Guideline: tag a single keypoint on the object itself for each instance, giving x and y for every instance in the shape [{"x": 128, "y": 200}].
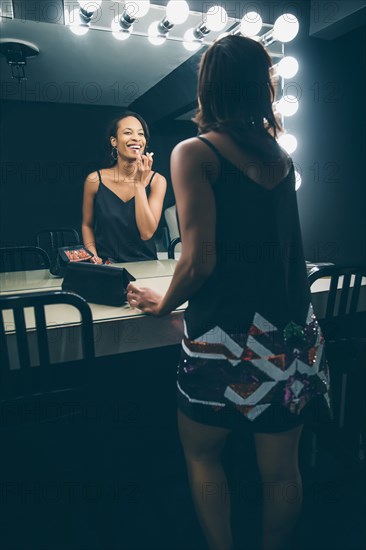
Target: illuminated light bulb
[
  {"x": 287, "y": 67},
  {"x": 285, "y": 28},
  {"x": 288, "y": 142},
  {"x": 137, "y": 8},
  {"x": 90, "y": 6},
  {"x": 251, "y": 24},
  {"x": 177, "y": 11},
  {"x": 117, "y": 31},
  {"x": 216, "y": 18},
  {"x": 76, "y": 23},
  {"x": 154, "y": 36},
  {"x": 298, "y": 180},
  {"x": 190, "y": 42},
  {"x": 287, "y": 105}
]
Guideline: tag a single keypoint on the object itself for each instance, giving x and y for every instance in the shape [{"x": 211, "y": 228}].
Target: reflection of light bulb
[
  {"x": 137, "y": 8},
  {"x": 190, "y": 42},
  {"x": 285, "y": 28},
  {"x": 251, "y": 24},
  {"x": 90, "y": 6},
  {"x": 287, "y": 67},
  {"x": 298, "y": 180},
  {"x": 154, "y": 36},
  {"x": 216, "y": 18},
  {"x": 76, "y": 24},
  {"x": 117, "y": 31},
  {"x": 287, "y": 105},
  {"x": 177, "y": 11},
  {"x": 288, "y": 142}
]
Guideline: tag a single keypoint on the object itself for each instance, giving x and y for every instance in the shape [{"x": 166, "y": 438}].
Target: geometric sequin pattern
[{"x": 251, "y": 371}]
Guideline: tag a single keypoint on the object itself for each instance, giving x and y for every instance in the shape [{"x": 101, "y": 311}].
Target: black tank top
[
  {"x": 260, "y": 264},
  {"x": 116, "y": 234}
]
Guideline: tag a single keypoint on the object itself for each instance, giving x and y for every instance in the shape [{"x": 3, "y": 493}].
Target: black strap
[
  {"x": 211, "y": 146},
  {"x": 152, "y": 175},
  {"x": 99, "y": 176}
]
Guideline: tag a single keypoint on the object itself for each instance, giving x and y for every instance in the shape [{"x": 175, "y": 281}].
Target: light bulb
[
  {"x": 298, "y": 180},
  {"x": 216, "y": 18},
  {"x": 287, "y": 105},
  {"x": 285, "y": 28},
  {"x": 154, "y": 36},
  {"x": 90, "y": 6},
  {"x": 190, "y": 42},
  {"x": 287, "y": 67},
  {"x": 251, "y": 24},
  {"x": 288, "y": 142},
  {"x": 117, "y": 31},
  {"x": 177, "y": 11},
  {"x": 137, "y": 8},
  {"x": 76, "y": 24}
]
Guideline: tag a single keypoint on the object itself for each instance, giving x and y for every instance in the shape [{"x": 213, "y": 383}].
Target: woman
[
  {"x": 122, "y": 204},
  {"x": 251, "y": 353}
]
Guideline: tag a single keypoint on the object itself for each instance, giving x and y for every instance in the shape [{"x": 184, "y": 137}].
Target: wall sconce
[
  {"x": 133, "y": 10},
  {"x": 214, "y": 20}
]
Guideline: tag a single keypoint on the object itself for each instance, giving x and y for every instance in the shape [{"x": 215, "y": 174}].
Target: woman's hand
[
  {"x": 96, "y": 260},
  {"x": 145, "y": 299},
  {"x": 143, "y": 168}
]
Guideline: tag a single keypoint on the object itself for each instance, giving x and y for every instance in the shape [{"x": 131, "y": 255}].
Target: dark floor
[{"x": 119, "y": 481}]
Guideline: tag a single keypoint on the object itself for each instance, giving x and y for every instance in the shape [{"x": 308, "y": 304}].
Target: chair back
[
  {"x": 28, "y": 380},
  {"x": 50, "y": 239},
  {"x": 23, "y": 258},
  {"x": 343, "y": 298}
]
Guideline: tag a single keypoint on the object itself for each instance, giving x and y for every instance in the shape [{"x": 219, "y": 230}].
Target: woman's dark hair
[
  {"x": 113, "y": 128},
  {"x": 235, "y": 90}
]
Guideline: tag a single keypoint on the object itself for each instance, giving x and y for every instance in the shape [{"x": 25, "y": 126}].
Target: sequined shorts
[{"x": 269, "y": 379}]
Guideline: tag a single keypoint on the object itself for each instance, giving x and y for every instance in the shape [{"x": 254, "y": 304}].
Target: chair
[
  {"x": 171, "y": 219},
  {"x": 344, "y": 329},
  {"x": 172, "y": 246},
  {"x": 50, "y": 239},
  {"x": 47, "y": 442},
  {"x": 23, "y": 258},
  {"x": 29, "y": 381}
]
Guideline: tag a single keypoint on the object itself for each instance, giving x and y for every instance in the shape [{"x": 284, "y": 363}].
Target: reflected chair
[
  {"x": 23, "y": 258},
  {"x": 344, "y": 329},
  {"x": 171, "y": 219},
  {"x": 50, "y": 239}
]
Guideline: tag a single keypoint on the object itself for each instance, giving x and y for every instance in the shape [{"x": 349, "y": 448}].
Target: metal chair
[
  {"x": 34, "y": 382},
  {"x": 50, "y": 239},
  {"x": 47, "y": 438},
  {"x": 172, "y": 246},
  {"x": 344, "y": 329},
  {"x": 23, "y": 258}
]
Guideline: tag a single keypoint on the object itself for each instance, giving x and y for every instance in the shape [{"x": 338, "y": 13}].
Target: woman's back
[{"x": 260, "y": 267}]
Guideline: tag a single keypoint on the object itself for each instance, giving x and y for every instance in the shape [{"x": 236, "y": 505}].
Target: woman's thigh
[{"x": 199, "y": 440}]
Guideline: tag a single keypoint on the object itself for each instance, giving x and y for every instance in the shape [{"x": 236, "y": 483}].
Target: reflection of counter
[{"x": 116, "y": 329}]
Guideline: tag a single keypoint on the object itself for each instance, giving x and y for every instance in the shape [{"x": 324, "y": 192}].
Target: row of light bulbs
[
  {"x": 284, "y": 30},
  {"x": 177, "y": 11}
]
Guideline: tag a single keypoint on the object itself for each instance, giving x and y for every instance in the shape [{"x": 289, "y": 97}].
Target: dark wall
[
  {"x": 47, "y": 151},
  {"x": 330, "y": 127}
]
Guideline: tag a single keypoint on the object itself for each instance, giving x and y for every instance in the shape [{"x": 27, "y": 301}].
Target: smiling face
[{"x": 130, "y": 139}]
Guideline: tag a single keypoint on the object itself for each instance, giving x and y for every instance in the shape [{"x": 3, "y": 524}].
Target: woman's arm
[
  {"x": 193, "y": 172},
  {"x": 90, "y": 189},
  {"x": 148, "y": 210}
]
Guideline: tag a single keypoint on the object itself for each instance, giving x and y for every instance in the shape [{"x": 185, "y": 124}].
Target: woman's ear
[{"x": 113, "y": 141}]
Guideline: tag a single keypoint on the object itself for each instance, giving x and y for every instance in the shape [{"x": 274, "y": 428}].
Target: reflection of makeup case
[
  {"x": 99, "y": 284},
  {"x": 69, "y": 254}
]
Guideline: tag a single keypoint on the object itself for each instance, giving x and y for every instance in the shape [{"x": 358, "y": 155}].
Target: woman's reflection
[{"x": 122, "y": 204}]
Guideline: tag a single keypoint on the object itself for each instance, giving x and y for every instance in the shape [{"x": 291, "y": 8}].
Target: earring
[{"x": 114, "y": 153}]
